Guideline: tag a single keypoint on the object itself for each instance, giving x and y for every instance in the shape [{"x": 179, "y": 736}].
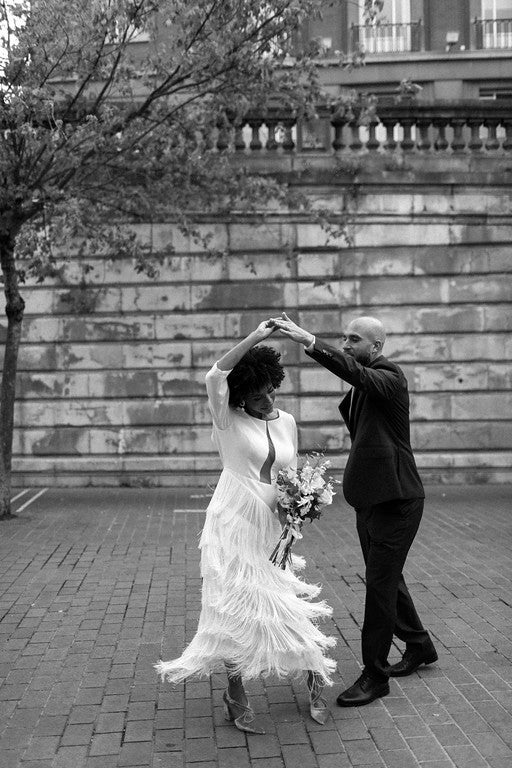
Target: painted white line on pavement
[
  {"x": 20, "y": 494},
  {"x": 37, "y": 495}
]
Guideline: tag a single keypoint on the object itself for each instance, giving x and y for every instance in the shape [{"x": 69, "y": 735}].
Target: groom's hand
[{"x": 292, "y": 331}]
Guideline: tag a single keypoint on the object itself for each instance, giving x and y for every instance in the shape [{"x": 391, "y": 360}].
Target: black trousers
[{"x": 386, "y": 532}]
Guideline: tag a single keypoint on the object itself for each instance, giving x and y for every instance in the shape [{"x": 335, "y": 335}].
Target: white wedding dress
[{"x": 255, "y": 616}]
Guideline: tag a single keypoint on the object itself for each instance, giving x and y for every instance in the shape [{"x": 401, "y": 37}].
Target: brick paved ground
[{"x": 97, "y": 584}]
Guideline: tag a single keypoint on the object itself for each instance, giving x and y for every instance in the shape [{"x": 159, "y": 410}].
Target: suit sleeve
[{"x": 383, "y": 382}]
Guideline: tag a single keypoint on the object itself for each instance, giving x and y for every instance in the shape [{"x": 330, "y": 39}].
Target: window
[
  {"x": 391, "y": 31},
  {"x": 497, "y": 23}
]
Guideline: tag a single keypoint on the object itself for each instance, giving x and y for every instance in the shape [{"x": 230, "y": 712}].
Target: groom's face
[{"x": 358, "y": 344}]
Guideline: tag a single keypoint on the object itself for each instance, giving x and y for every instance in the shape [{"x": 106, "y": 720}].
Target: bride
[{"x": 256, "y": 619}]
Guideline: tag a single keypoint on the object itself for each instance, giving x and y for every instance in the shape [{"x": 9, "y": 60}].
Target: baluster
[
  {"x": 223, "y": 134},
  {"x": 492, "y": 143},
  {"x": 239, "y": 136},
  {"x": 441, "y": 143},
  {"x": 338, "y": 144},
  {"x": 458, "y": 141},
  {"x": 507, "y": 142},
  {"x": 255, "y": 125},
  {"x": 288, "y": 142},
  {"x": 271, "y": 141},
  {"x": 475, "y": 142},
  {"x": 390, "y": 143},
  {"x": 372, "y": 144},
  {"x": 356, "y": 143},
  {"x": 407, "y": 143},
  {"x": 424, "y": 143}
]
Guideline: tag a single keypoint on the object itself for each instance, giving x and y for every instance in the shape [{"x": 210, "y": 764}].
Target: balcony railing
[
  {"x": 464, "y": 128},
  {"x": 492, "y": 33},
  {"x": 388, "y": 38}
]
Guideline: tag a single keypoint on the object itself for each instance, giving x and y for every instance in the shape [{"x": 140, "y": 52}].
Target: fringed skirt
[{"x": 255, "y": 617}]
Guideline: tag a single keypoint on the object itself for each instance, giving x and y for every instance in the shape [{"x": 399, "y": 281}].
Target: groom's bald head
[{"x": 364, "y": 338}]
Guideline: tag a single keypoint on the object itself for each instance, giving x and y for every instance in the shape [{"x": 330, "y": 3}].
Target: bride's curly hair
[{"x": 257, "y": 369}]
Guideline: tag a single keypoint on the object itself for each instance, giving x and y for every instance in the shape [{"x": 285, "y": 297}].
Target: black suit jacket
[{"x": 381, "y": 465}]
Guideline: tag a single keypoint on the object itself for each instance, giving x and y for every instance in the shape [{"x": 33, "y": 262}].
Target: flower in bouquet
[{"x": 301, "y": 495}]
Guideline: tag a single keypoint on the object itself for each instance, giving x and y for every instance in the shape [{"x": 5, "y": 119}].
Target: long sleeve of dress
[{"x": 218, "y": 396}]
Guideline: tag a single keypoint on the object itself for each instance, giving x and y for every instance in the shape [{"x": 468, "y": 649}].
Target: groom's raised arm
[{"x": 382, "y": 382}]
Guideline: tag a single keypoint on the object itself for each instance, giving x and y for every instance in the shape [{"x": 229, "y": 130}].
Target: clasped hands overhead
[{"x": 290, "y": 329}]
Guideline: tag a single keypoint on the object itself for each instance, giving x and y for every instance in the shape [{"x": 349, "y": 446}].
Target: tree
[{"x": 87, "y": 110}]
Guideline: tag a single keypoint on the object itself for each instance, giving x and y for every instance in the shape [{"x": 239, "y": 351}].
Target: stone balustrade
[{"x": 476, "y": 128}]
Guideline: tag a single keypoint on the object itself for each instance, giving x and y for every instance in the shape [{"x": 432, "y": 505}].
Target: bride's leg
[
  {"x": 236, "y": 705},
  {"x": 236, "y": 689},
  {"x": 317, "y": 705}
]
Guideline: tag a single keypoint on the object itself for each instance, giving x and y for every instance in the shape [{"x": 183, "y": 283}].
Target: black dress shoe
[
  {"x": 410, "y": 662},
  {"x": 364, "y": 690}
]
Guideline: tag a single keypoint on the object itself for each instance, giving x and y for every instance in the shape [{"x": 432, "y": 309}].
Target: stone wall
[{"x": 111, "y": 377}]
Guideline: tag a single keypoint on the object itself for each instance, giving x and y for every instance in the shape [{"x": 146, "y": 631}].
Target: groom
[{"x": 382, "y": 483}]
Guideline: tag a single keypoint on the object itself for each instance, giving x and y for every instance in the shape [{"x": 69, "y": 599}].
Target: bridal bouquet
[{"x": 301, "y": 495}]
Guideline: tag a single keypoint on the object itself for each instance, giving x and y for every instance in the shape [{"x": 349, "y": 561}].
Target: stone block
[
  {"x": 276, "y": 265},
  {"x": 398, "y": 203},
  {"x": 86, "y": 301},
  {"x": 37, "y": 330},
  {"x": 318, "y": 266},
  {"x": 271, "y": 236},
  {"x": 321, "y": 321},
  {"x": 497, "y": 317},
  {"x": 167, "y": 238},
  {"x": 335, "y": 293},
  {"x": 59, "y": 441},
  {"x": 481, "y": 405},
  {"x": 315, "y": 236},
  {"x": 110, "y": 328},
  {"x": 499, "y": 376},
  {"x": 446, "y": 319},
  {"x": 410, "y": 233},
  {"x": 431, "y": 407},
  {"x": 230, "y": 296},
  {"x": 400, "y": 290},
  {"x": 433, "y": 201},
  {"x": 461, "y": 435},
  {"x": 155, "y": 298},
  {"x": 479, "y": 347},
  {"x": 186, "y": 440},
  {"x": 449, "y": 377},
  {"x": 73, "y": 413},
  {"x": 121, "y": 384},
  {"x": 171, "y": 269},
  {"x": 450, "y": 259},
  {"x": 123, "y": 440},
  {"x": 158, "y": 412},
  {"x": 480, "y": 290},
  {"x": 318, "y": 379},
  {"x": 53, "y": 385},
  {"x": 159, "y": 354},
  {"x": 376, "y": 261},
  {"x": 174, "y": 326},
  {"x": 88, "y": 356},
  {"x": 412, "y": 348},
  {"x": 184, "y": 382},
  {"x": 318, "y": 409},
  {"x": 324, "y": 437},
  {"x": 480, "y": 233},
  {"x": 499, "y": 258},
  {"x": 41, "y": 358},
  {"x": 38, "y": 301}
]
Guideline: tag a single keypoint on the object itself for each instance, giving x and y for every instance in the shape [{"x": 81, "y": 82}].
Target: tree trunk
[{"x": 14, "y": 309}]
